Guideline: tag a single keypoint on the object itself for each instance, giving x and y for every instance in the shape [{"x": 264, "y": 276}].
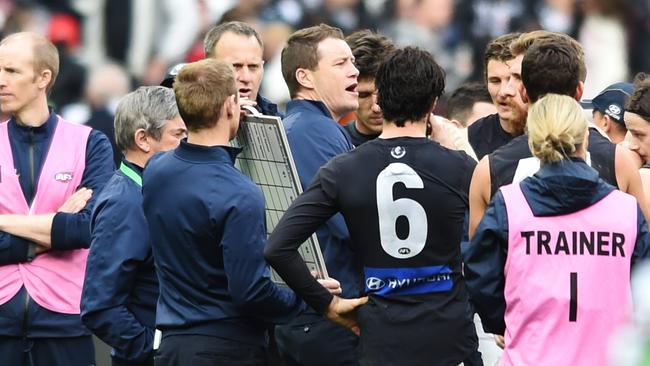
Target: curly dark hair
[
  {"x": 408, "y": 84},
  {"x": 370, "y": 49}
]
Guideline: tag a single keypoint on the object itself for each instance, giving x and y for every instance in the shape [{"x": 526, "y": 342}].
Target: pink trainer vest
[
  {"x": 54, "y": 279},
  {"x": 567, "y": 284}
]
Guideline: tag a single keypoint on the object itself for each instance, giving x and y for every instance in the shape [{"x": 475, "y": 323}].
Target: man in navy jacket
[
  {"x": 208, "y": 231},
  {"x": 318, "y": 67},
  {"x": 120, "y": 291},
  {"x": 239, "y": 44}
]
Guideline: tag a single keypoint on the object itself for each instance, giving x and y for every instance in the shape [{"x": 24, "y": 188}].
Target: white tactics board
[{"x": 266, "y": 159}]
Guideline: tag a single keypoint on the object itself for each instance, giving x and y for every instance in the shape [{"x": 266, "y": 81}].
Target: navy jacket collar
[
  {"x": 267, "y": 107},
  {"x": 306, "y": 105},
  {"x": 40, "y": 133},
  {"x": 564, "y": 187},
  {"x": 206, "y": 154}
]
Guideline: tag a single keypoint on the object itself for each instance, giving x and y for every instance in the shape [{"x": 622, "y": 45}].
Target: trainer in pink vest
[
  {"x": 567, "y": 284},
  {"x": 54, "y": 279}
]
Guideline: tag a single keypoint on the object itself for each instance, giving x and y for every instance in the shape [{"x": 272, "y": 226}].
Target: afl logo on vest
[{"x": 63, "y": 177}]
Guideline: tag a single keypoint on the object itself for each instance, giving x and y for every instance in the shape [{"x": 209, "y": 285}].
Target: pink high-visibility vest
[
  {"x": 567, "y": 286},
  {"x": 54, "y": 279}
]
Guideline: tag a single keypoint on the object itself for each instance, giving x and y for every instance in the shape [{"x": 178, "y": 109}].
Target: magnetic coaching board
[{"x": 266, "y": 159}]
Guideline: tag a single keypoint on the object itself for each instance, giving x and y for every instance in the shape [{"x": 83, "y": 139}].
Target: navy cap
[
  {"x": 611, "y": 101},
  {"x": 168, "y": 81}
]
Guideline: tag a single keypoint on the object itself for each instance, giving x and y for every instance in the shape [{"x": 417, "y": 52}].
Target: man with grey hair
[
  {"x": 240, "y": 45},
  {"x": 118, "y": 302}
]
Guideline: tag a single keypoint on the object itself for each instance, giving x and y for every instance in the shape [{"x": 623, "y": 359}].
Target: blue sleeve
[
  {"x": 119, "y": 244},
  {"x": 642, "y": 247},
  {"x": 312, "y": 147},
  {"x": 72, "y": 231},
  {"x": 485, "y": 258},
  {"x": 249, "y": 276},
  {"x": 13, "y": 249}
]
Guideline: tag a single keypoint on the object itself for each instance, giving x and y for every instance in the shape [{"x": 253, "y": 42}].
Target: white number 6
[{"x": 390, "y": 210}]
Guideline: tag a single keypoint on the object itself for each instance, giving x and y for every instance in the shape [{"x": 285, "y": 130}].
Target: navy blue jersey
[
  {"x": 505, "y": 161},
  {"x": 404, "y": 202},
  {"x": 486, "y": 135}
]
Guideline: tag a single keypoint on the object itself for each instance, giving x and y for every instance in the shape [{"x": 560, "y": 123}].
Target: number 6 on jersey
[{"x": 390, "y": 210}]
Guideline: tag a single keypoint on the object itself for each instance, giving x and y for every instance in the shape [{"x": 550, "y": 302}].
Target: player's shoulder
[
  {"x": 517, "y": 146},
  {"x": 483, "y": 124}
]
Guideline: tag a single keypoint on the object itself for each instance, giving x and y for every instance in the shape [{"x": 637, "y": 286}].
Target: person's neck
[
  {"x": 362, "y": 129},
  {"x": 617, "y": 137},
  {"x": 35, "y": 116},
  {"x": 216, "y": 135},
  {"x": 410, "y": 129},
  {"x": 510, "y": 127},
  {"x": 138, "y": 158},
  {"x": 312, "y": 95}
]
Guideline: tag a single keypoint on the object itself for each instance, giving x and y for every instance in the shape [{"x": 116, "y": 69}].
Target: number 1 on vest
[{"x": 573, "y": 303}]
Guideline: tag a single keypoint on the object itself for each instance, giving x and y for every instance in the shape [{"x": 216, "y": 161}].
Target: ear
[
  {"x": 579, "y": 90},
  {"x": 456, "y": 123},
  {"x": 606, "y": 123},
  {"x": 305, "y": 78},
  {"x": 44, "y": 78},
  {"x": 524, "y": 95},
  {"x": 142, "y": 140},
  {"x": 230, "y": 107}
]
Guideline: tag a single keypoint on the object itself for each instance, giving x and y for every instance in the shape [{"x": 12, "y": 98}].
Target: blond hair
[
  {"x": 556, "y": 127},
  {"x": 201, "y": 89}
]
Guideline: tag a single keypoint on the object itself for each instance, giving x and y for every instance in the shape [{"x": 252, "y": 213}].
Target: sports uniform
[
  {"x": 357, "y": 137},
  {"x": 486, "y": 135},
  {"x": 514, "y": 161},
  {"x": 403, "y": 200}
]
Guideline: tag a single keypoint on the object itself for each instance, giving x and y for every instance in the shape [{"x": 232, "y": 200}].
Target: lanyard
[{"x": 131, "y": 174}]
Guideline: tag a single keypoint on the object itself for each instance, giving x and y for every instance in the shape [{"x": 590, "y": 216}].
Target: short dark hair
[
  {"x": 408, "y": 83},
  {"x": 370, "y": 49},
  {"x": 639, "y": 103},
  {"x": 214, "y": 35},
  {"x": 462, "y": 100},
  {"x": 526, "y": 40},
  {"x": 301, "y": 52},
  {"x": 550, "y": 66},
  {"x": 499, "y": 49},
  {"x": 201, "y": 89}
]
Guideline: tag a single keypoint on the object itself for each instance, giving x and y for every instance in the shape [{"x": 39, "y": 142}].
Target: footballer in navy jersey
[{"x": 404, "y": 198}]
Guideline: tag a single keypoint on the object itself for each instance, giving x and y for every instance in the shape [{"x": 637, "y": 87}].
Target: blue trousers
[
  {"x": 199, "y": 350},
  {"x": 311, "y": 341},
  {"x": 74, "y": 351}
]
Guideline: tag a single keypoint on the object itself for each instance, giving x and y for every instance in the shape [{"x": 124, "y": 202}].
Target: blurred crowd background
[{"x": 109, "y": 47}]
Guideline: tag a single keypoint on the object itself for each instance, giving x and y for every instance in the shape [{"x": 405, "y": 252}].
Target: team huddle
[{"x": 504, "y": 236}]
